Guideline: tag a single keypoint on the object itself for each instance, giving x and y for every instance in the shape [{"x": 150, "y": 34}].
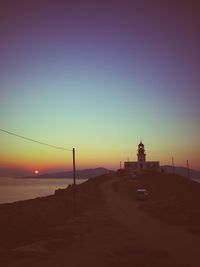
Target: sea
[{"x": 15, "y": 189}]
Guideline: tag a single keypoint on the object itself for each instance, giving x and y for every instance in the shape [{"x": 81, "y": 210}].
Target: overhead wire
[{"x": 35, "y": 141}]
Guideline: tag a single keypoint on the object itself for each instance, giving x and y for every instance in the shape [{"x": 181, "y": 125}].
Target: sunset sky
[{"x": 99, "y": 76}]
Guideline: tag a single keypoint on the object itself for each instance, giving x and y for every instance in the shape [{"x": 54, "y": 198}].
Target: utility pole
[
  {"x": 74, "y": 167},
  {"x": 74, "y": 181},
  {"x": 188, "y": 169}
]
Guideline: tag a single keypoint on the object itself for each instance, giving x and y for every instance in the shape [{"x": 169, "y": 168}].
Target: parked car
[{"x": 142, "y": 194}]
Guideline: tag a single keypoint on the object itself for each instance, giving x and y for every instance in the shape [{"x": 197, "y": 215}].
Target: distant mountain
[
  {"x": 80, "y": 174},
  {"x": 13, "y": 171},
  {"x": 194, "y": 175}
]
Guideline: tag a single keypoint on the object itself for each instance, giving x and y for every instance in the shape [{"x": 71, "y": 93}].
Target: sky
[{"x": 99, "y": 76}]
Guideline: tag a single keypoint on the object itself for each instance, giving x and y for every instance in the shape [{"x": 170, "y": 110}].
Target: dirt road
[
  {"x": 114, "y": 233},
  {"x": 179, "y": 247}
]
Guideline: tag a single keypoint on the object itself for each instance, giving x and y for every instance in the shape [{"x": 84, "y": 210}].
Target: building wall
[
  {"x": 141, "y": 163},
  {"x": 130, "y": 165},
  {"x": 148, "y": 165},
  {"x": 152, "y": 165}
]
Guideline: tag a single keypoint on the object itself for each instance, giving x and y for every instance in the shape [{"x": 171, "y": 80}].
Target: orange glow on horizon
[{"x": 30, "y": 157}]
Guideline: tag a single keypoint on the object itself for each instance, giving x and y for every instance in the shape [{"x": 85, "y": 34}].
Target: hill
[
  {"x": 7, "y": 171},
  {"x": 194, "y": 175},
  {"x": 108, "y": 224},
  {"x": 80, "y": 174}
]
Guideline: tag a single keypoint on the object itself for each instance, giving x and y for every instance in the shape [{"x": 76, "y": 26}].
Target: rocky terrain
[{"x": 106, "y": 226}]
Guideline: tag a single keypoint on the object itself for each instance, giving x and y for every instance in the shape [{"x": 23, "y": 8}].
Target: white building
[{"x": 141, "y": 163}]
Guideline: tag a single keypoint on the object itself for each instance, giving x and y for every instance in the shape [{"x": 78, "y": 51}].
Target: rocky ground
[{"x": 108, "y": 226}]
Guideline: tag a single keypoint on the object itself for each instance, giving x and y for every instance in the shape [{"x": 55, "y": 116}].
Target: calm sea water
[{"x": 14, "y": 189}]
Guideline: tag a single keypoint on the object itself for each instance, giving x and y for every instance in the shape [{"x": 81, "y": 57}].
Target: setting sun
[{"x": 36, "y": 172}]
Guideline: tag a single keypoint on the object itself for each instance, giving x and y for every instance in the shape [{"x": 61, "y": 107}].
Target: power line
[{"x": 35, "y": 141}]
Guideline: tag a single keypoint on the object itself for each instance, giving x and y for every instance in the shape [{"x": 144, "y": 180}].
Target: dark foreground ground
[{"x": 110, "y": 228}]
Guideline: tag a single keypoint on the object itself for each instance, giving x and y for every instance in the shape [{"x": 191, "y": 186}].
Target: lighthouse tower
[
  {"x": 141, "y": 164},
  {"x": 141, "y": 156}
]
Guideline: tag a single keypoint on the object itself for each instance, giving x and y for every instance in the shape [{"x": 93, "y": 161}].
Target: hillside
[
  {"x": 107, "y": 226},
  {"x": 80, "y": 174},
  {"x": 182, "y": 171},
  {"x": 173, "y": 199}
]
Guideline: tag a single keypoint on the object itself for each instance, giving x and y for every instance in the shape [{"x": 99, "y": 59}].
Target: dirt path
[
  {"x": 114, "y": 233},
  {"x": 183, "y": 249}
]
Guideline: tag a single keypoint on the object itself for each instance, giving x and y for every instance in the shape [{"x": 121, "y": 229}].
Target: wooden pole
[
  {"x": 74, "y": 181},
  {"x": 74, "y": 167}
]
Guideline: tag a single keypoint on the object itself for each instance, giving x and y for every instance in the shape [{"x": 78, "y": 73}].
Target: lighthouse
[
  {"x": 141, "y": 163},
  {"x": 141, "y": 155}
]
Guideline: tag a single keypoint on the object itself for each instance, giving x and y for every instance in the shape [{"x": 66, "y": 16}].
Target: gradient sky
[{"x": 99, "y": 76}]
